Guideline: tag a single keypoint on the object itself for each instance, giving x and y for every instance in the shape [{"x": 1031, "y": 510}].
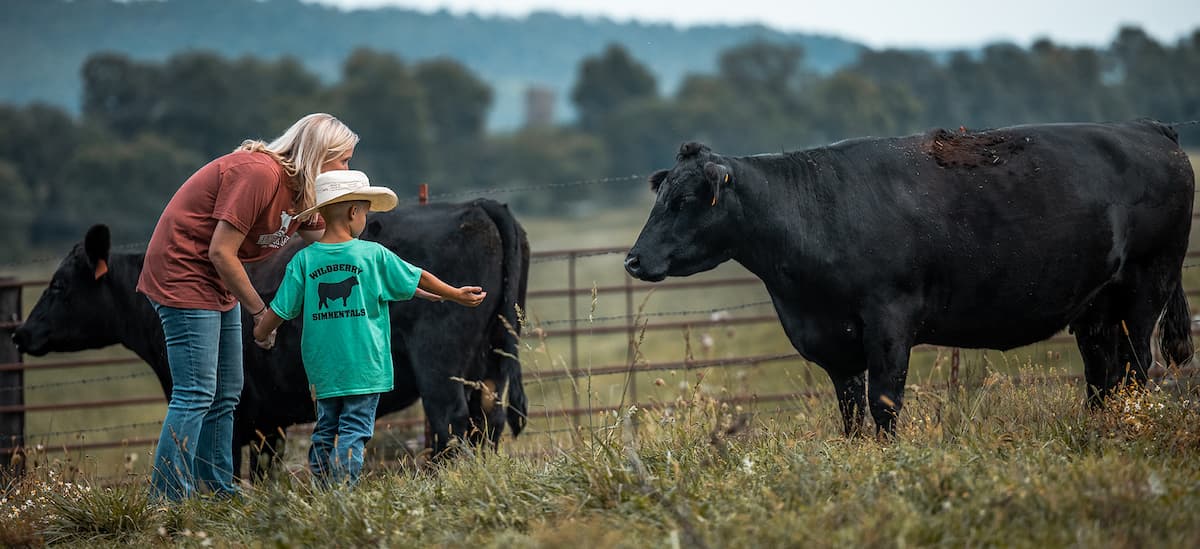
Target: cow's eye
[{"x": 680, "y": 201}]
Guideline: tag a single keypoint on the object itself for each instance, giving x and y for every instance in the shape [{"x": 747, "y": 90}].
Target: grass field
[
  {"x": 1000, "y": 465},
  {"x": 996, "y": 465}
]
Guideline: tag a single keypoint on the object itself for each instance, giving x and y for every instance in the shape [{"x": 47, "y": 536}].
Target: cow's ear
[
  {"x": 657, "y": 178},
  {"x": 96, "y": 245},
  {"x": 718, "y": 175}
]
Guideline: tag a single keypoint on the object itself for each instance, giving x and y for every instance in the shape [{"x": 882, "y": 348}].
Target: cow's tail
[
  {"x": 506, "y": 335},
  {"x": 1175, "y": 329}
]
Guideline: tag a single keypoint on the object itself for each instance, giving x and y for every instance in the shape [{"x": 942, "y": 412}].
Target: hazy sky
[{"x": 875, "y": 23}]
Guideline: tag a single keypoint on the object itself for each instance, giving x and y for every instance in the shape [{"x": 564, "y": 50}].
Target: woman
[{"x": 237, "y": 208}]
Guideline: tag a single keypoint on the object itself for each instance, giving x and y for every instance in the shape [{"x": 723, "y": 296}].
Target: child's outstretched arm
[
  {"x": 467, "y": 296},
  {"x": 428, "y": 296},
  {"x": 264, "y": 328}
]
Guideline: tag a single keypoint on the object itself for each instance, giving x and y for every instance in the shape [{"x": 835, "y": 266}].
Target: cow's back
[{"x": 1005, "y": 235}]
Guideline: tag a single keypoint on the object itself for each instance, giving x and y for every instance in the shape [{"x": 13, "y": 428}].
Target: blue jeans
[
  {"x": 344, "y": 425},
  {"x": 195, "y": 448}
]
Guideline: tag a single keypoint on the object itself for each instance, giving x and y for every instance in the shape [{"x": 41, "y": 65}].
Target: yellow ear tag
[{"x": 727, "y": 178}]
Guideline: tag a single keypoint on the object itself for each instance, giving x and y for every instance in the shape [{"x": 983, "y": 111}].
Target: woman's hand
[
  {"x": 268, "y": 343},
  {"x": 265, "y": 324}
]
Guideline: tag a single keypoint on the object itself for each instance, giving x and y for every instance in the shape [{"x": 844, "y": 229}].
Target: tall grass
[{"x": 999, "y": 464}]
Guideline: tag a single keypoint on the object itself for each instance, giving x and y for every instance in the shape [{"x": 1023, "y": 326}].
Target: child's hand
[
  {"x": 266, "y": 343},
  {"x": 468, "y": 296}
]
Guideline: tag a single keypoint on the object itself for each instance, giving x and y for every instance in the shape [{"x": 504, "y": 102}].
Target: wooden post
[
  {"x": 423, "y": 194},
  {"x": 954, "y": 367},
  {"x": 573, "y": 367},
  {"x": 12, "y": 383},
  {"x": 631, "y": 349}
]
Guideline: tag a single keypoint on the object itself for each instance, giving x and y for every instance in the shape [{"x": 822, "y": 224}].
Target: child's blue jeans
[{"x": 344, "y": 425}]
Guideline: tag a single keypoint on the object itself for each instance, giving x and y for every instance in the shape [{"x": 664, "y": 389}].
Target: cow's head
[
  {"x": 690, "y": 228},
  {"x": 76, "y": 310}
]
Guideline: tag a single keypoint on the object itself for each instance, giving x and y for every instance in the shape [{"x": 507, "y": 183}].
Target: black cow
[
  {"x": 327, "y": 291},
  {"x": 478, "y": 243},
  {"x": 991, "y": 239}
]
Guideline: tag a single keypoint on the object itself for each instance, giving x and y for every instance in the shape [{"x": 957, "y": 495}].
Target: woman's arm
[
  {"x": 222, "y": 252},
  {"x": 308, "y": 231},
  {"x": 311, "y": 236}
]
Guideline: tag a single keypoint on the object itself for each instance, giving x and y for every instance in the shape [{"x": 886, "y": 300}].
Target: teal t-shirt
[{"x": 342, "y": 290}]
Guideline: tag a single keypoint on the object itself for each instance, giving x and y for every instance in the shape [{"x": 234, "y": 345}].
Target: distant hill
[{"x": 44, "y": 42}]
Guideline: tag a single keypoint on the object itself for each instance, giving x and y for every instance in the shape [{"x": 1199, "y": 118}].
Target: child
[{"x": 342, "y": 286}]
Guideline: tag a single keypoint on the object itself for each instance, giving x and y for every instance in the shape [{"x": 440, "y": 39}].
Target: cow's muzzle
[
  {"x": 23, "y": 339},
  {"x": 633, "y": 266}
]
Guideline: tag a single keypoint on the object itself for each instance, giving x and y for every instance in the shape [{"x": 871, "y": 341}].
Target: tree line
[{"x": 145, "y": 126}]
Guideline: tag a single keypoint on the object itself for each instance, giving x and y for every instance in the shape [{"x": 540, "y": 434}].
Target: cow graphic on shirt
[
  {"x": 335, "y": 290},
  {"x": 280, "y": 237}
]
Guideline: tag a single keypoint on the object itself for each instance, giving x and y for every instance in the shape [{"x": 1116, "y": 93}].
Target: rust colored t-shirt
[{"x": 247, "y": 189}]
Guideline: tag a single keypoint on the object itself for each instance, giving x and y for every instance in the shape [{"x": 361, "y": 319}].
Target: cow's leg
[
  {"x": 487, "y": 414},
  {"x": 253, "y": 453},
  {"x": 445, "y": 409},
  {"x": 243, "y": 436},
  {"x": 237, "y": 461},
  {"x": 886, "y": 342},
  {"x": 1096, "y": 336},
  {"x": 851, "y": 392},
  {"x": 1144, "y": 294},
  {"x": 266, "y": 455}
]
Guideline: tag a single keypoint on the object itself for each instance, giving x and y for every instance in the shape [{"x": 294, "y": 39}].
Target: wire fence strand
[
  {"x": 692, "y": 312},
  {"x": 530, "y": 188},
  {"x": 88, "y": 381},
  {"x": 105, "y": 429}
]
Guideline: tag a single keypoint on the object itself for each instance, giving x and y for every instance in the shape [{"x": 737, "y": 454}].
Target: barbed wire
[
  {"x": 576, "y": 255},
  {"x": 47, "y": 434},
  {"x": 528, "y": 188},
  {"x": 31, "y": 261},
  {"x": 713, "y": 311},
  {"x": 87, "y": 381},
  {"x": 638, "y": 368}
]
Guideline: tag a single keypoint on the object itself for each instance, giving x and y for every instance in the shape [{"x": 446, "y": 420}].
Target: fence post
[
  {"x": 630, "y": 350},
  {"x": 573, "y": 367},
  {"x": 423, "y": 194},
  {"x": 954, "y": 367},
  {"x": 12, "y": 383}
]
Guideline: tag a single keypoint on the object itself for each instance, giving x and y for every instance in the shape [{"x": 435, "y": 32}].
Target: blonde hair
[{"x": 302, "y": 150}]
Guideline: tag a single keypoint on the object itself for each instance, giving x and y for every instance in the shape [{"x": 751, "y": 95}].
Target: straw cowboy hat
[{"x": 347, "y": 185}]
